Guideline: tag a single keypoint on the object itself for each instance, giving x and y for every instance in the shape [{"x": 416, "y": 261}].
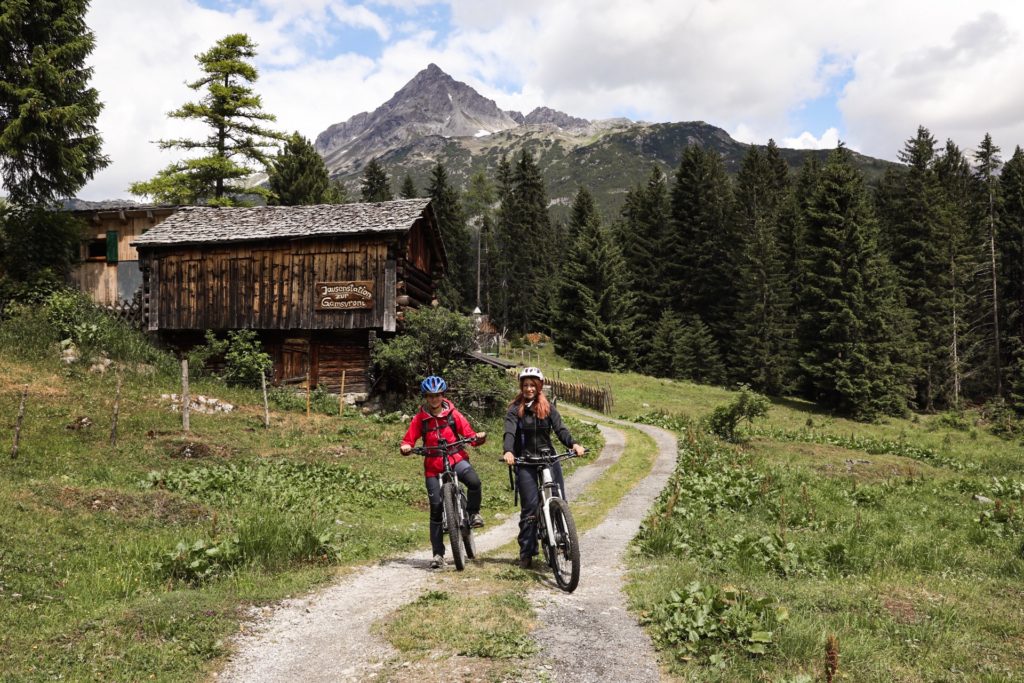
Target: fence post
[
  {"x": 17, "y": 426},
  {"x": 186, "y": 399},
  {"x": 341, "y": 395},
  {"x": 117, "y": 411},
  {"x": 266, "y": 404},
  {"x": 309, "y": 392}
]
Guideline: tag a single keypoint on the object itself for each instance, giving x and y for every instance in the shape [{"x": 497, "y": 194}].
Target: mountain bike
[
  {"x": 454, "y": 515},
  {"x": 556, "y": 529}
]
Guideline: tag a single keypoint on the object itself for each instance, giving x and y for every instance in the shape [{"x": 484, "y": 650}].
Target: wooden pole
[
  {"x": 117, "y": 412},
  {"x": 186, "y": 399},
  {"x": 266, "y": 404},
  {"x": 309, "y": 393},
  {"x": 341, "y": 395},
  {"x": 17, "y": 426}
]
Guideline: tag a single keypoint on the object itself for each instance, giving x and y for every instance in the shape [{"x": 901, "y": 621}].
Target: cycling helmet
[
  {"x": 433, "y": 385},
  {"x": 531, "y": 372}
]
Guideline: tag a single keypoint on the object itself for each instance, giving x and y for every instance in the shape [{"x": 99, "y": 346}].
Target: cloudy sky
[{"x": 804, "y": 72}]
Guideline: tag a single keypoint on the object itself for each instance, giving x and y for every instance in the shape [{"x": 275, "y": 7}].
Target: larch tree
[
  {"x": 238, "y": 142},
  {"x": 49, "y": 144}
]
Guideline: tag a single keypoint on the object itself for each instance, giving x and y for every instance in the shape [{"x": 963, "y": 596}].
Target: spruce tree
[
  {"x": 298, "y": 175},
  {"x": 527, "y": 246},
  {"x": 666, "y": 347},
  {"x": 849, "y": 310},
  {"x": 375, "y": 185},
  {"x": 643, "y": 234},
  {"x": 961, "y": 262},
  {"x": 457, "y": 290},
  {"x": 701, "y": 248},
  {"x": 699, "y": 358},
  {"x": 49, "y": 143},
  {"x": 987, "y": 164},
  {"x": 917, "y": 227},
  {"x": 408, "y": 189},
  {"x": 593, "y": 323},
  {"x": 1011, "y": 259},
  {"x": 234, "y": 147},
  {"x": 478, "y": 201}
]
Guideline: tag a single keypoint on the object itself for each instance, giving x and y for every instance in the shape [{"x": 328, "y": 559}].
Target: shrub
[
  {"x": 245, "y": 361},
  {"x": 724, "y": 420}
]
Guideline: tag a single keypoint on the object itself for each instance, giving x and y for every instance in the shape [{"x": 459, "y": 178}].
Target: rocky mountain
[{"x": 435, "y": 118}]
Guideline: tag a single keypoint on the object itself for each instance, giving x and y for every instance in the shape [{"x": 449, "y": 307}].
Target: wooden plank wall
[
  {"x": 268, "y": 286},
  {"x": 324, "y": 355}
]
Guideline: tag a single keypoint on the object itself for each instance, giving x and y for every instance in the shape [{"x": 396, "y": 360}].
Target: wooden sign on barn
[{"x": 317, "y": 283}]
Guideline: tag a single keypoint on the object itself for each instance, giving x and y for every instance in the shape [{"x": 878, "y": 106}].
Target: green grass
[{"x": 137, "y": 560}]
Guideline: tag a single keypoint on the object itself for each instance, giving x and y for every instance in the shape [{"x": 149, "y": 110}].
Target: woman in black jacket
[{"x": 528, "y": 426}]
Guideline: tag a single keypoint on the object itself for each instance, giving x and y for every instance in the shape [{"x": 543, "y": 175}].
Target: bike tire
[
  {"x": 565, "y": 561},
  {"x": 468, "y": 542},
  {"x": 449, "y": 499}
]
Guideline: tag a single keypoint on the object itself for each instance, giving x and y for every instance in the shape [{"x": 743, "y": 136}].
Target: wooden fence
[
  {"x": 595, "y": 397},
  {"x": 129, "y": 311}
]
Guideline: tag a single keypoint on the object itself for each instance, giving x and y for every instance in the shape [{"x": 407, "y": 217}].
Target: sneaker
[
  {"x": 476, "y": 521},
  {"x": 437, "y": 562},
  {"x": 525, "y": 561}
]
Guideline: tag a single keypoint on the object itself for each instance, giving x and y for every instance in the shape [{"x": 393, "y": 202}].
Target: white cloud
[
  {"x": 747, "y": 67},
  {"x": 806, "y": 140}
]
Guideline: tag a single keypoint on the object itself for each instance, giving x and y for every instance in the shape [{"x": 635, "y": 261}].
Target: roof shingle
[{"x": 207, "y": 224}]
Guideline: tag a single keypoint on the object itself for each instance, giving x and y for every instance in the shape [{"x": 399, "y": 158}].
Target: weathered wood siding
[
  {"x": 270, "y": 286},
  {"x": 324, "y": 355}
]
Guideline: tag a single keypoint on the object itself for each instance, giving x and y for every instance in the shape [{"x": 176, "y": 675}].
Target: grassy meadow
[{"x": 817, "y": 526}]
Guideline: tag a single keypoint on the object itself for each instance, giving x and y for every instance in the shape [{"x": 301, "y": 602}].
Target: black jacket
[{"x": 528, "y": 436}]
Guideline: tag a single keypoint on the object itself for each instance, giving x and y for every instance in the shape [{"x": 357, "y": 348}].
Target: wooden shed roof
[{"x": 210, "y": 225}]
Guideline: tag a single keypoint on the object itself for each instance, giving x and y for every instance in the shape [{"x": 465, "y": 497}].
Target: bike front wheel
[
  {"x": 450, "y": 501},
  {"x": 566, "y": 552},
  {"x": 468, "y": 542}
]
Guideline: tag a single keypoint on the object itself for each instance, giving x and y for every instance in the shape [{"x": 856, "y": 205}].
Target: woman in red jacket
[{"x": 438, "y": 419}]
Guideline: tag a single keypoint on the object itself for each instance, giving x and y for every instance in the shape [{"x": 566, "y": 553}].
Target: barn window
[{"x": 96, "y": 250}]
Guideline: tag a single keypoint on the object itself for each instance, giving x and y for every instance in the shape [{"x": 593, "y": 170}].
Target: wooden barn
[
  {"x": 318, "y": 283},
  {"x": 109, "y": 269}
]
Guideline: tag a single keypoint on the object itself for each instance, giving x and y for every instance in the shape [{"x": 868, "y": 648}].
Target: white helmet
[{"x": 531, "y": 372}]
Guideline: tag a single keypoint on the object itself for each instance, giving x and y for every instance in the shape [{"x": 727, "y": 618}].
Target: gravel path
[
  {"x": 326, "y": 636},
  {"x": 588, "y": 635}
]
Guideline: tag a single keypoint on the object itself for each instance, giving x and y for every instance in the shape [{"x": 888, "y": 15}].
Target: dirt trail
[
  {"x": 326, "y": 636},
  {"x": 588, "y": 635}
]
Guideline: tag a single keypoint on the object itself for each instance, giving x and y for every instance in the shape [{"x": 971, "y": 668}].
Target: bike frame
[
  {"x": 549, "y": 489},
  {"x": 447, "y": 473}
]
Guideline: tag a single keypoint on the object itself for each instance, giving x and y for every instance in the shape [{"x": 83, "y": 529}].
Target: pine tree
[
  {"x": 234, "y": 148},
  {"x": 49, "y": 143},
  {"x": 457, "y": 290},
  {"x": 594, "y": 306},
  {"x": 701, "y": 248},
  {"x": 408, "y": 189},
  {"x": 986, "y": 171},
  {"x": 849, "y": 309},
  {"x": 375, "y": 185},
  {"x": 298, "y": 175},
  {"x": 1011, "y": 259}
]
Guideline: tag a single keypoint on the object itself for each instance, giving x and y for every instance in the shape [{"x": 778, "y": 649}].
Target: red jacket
[{"x": 432, "y": 464}]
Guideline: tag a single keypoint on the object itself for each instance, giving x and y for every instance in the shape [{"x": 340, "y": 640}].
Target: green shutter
[{"x": 111, "y": 246}]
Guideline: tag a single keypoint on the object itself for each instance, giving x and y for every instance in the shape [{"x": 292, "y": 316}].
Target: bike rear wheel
[
  {"x": 468, "y": 542},
  {"x": 565, "y": 560},
  {"x": 449, "y": 499}
]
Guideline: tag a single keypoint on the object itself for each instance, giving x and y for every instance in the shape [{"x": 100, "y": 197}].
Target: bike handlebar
[
  {"x": 440, "y": 449},
  {"x": 546, "y": 459}
]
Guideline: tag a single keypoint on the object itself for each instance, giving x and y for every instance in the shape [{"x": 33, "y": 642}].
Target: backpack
[{"x": 451, "y": 424}]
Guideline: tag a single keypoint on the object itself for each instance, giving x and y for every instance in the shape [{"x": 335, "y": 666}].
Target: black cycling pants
[{"x": 527, "y": 479}]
